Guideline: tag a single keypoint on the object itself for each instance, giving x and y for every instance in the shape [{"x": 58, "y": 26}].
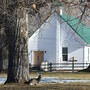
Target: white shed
[{"x": 58, "y": 40}]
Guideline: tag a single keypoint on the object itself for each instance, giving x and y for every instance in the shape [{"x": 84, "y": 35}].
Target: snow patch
[
  {"x": 58, "y": 80},
  {"x": 53, "y": 80}
]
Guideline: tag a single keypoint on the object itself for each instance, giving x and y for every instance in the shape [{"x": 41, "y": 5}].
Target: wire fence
[{"x": 50, "y": 67}]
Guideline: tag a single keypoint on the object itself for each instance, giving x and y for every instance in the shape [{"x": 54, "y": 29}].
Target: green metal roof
[{"x": 81, "y": 29}]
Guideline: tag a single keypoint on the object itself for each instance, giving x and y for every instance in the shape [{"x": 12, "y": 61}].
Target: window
[{"x": 65, "y": 54}]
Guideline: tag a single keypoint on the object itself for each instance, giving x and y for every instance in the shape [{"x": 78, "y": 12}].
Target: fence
[{"x": 59, "y": 67}]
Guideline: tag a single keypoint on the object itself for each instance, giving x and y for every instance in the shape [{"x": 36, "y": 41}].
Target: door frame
[{"x": 38, "y": 52}]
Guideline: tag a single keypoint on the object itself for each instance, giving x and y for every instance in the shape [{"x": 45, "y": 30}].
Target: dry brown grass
[
  {"x": 46, "y": 87},
  {"x": 3, "y": 75},
  {"x": 64, "y": 75},
  {"x": 54, "y": 86}
]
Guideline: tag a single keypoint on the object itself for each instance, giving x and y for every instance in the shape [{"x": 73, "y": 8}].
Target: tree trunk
[
  {"x": 1, "y": 61},
  {"x": 18, "y": 68},
  {"x": 17, "y": 35}
]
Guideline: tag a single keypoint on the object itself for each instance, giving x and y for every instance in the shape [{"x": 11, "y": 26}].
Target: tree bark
[
  {"x": 1, "y": 61},
  {"x": 18, "y": 68},
  {"x": 17, "y": 34}
]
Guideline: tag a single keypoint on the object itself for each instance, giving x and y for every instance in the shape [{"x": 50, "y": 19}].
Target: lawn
[
  {"x": 52, "y": 86},
  {"x": 64, "y": 75},
  {"x": 47, "y": 87}
]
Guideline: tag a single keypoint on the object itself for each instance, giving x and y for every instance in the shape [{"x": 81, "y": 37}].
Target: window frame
[{"x": 64, "y": 53}]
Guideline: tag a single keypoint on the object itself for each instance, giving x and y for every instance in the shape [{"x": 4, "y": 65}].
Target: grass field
[
  {"x": 64, "y": 75},
  {"x": 53, "y": 86},
  {"x": 47, "y": 87}
]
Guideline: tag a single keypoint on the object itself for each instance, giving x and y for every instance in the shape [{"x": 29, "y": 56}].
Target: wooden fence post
[
  {"x": 50, "y": 67},
  {"x": 73, "y": 64}
]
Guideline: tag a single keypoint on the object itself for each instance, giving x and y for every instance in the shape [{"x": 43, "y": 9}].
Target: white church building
[{"x": 58, "y": 40}]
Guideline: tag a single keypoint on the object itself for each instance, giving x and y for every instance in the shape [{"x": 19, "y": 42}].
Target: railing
[{"x": 59, "y": 67}]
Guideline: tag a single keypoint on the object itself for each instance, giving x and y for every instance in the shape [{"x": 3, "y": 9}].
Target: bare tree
[
  {"x": 15, "y": 22},
  {"x": 14, "y": 17}
]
